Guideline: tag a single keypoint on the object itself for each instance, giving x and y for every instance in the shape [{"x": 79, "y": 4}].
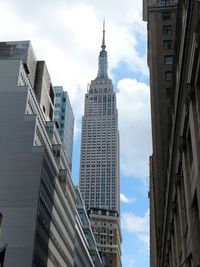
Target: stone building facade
[{"x": 175, "y": 183}]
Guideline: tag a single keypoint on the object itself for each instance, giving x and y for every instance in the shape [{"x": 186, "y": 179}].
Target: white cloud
[
  {"x": 67, "y": 35},
  {"x": 131, "y": 263},
  {"x": 127, "y": 200},
  {"x": 134, "y": 123},
  {"x": 145, "y": 239},
  {"x": 134, "y": 223},
  {"x": 137, "y": 225}
]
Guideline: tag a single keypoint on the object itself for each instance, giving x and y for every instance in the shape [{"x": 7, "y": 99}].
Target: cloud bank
[
  {"x": 138, "y": 225},
  {"x": 67, "y": 34},
  {"x": 125, "y": 199},
  {"x": 134, "y": 123}
]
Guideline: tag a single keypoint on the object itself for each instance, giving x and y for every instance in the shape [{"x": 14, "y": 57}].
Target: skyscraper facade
[
  {"x": 161, "y": 17},
  {"x": 86, "y": 253},
  {"x": 64, "y": 117},
  {"x": 44, "y": 219},
  {"x": 99, "y": 164},
  {"x": 39, "y": 217},
  {"x": 173, "y": 39}
]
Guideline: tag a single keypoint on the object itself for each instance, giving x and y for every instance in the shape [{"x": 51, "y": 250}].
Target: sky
[{"x": 67, "y": 34}]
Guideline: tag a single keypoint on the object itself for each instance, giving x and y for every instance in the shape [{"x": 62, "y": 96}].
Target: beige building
[
  {"x": 173, "y": 37},
  {"x": 86, "y": 252},
  {"x": 99, "y": 164},
  {"x": 106, "y": 228}
]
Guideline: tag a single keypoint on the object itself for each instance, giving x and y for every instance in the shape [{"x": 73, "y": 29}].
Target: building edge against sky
[
  {"x": 99, "y": 164},
  {"x": 174, "y": 56},
  {"x": 63, "y": 115},
  {"x": 37, "y": 196},
  {"x": 161, "y": 18}
]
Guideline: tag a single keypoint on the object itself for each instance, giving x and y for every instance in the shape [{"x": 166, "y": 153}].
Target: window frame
[
  {"x": 167, "y": 29},
  {"x": 167, "y": 44},
  {"x": 168, "y": 59}
]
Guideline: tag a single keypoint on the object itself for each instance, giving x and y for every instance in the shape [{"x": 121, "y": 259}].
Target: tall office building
[
  {"x": 99, "y": 165},
  {"x": 38, "y": 216},
  {"x": 86, "y": 253},
  {"x": 41, "y": 225},
  {"x": 63, "y": 115},
  {"x": 161, "y": 17},
  {"x": 174, "y": 62}
]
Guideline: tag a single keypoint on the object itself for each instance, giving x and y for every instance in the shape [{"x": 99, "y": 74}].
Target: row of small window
[
  {"x": 167, "y": 44},
  {"x": 104, "y": 121},
  {"x": 104, "y": 97},
  {"x": 99, "y": 126},
  {"x": 100, "y": 113},
  {"x": 167, "y": 29},
  {"x": 98, "y": 155},
  {"x": 88, "y": 169},
  {"x": 58, "y": 95},
  {"x": 97, "y": 132},
  {"x": 98, "y": 174},
  {"x": 100, "y": 135},
  {"x": 168, "y": 76},
  {"x": 57, "y": 113},
  {"x": 166, "y": 15},
  {"x": 92, "y": 196},
  {"x": 168, "y": 59},
  {"x": 165, "y": 2},
  {"x": 92, "y": 148},
  {"x": 101, "y": 90}
]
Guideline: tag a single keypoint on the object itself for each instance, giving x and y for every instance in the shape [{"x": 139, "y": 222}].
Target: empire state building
[{"x": 99, "y": 164}]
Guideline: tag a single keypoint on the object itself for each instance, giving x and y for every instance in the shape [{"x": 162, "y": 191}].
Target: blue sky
[{"x": 67, "y": 34}]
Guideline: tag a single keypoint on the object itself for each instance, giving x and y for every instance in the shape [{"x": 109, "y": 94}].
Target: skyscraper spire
[
  {"x": 103, "y": 40},
  {"x": 100, "y": 162},
  {"x": 103, "y": 65}
]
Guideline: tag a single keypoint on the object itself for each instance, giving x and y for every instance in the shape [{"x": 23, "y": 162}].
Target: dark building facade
[{"x": 174, "y": 164}]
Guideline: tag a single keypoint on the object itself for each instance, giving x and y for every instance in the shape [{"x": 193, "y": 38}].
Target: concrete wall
[{"x": 20, "y": 167}]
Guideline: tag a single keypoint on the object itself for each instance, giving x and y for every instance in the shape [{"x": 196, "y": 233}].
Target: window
[
  {"x": 165, "y": 2},
  {"x": 168, "y": 92},
  {"x": 168, "y": 59},
  {"x": 166, "y": 15},
  {"x": 168, "y": 76},
  {"x": 167, "y": 44},
  {"x": 167, "y": 29}
]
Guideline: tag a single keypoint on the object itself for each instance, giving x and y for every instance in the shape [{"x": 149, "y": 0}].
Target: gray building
[
  {"x": 99, "y": 164},
  {"x": 37, "y": 197},
  {"x": 174, "y": 165},
  {"x": 86, "y": 253},
  {"x": 64, "y": 117},
  {"x": 1, "y": 218}
]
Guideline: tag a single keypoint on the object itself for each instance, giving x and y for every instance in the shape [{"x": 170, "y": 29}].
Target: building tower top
[{"x": 103, "y": 65}]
